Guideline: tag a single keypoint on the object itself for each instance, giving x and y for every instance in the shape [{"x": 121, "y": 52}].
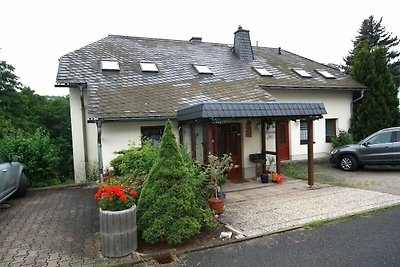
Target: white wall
[
  {"x": 77, "y": 135},
  {"x": 337, "y": 105}
]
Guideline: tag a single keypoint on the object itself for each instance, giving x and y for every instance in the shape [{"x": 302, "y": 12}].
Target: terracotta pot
[
  {"x": 118, "y": 231},
  {"x": 217, "y": 204}
]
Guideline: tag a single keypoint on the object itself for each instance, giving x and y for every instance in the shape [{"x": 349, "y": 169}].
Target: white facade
[
  {"x": 118, "y": 136},
  {"x": 338, "y": 106}
]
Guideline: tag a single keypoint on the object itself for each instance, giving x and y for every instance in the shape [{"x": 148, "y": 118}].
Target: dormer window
[
  {"x": 326, "y": 74},
  {"x": 202, "y": 69},
  {"x": 262, "y": 71},
  {"x": 302, "y": 73},
  {"x": 148, "y": 67},
  {"x": 109, "y": 65}
]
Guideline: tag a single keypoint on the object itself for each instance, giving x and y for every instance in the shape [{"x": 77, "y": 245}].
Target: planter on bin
[{"x": 118, "y": 231}]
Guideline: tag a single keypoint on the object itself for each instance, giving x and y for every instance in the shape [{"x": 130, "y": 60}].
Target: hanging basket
[{"x": 118, "y": 231}]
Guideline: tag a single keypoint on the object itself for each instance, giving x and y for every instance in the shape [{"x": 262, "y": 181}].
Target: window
[
  {"x": 109, "y": 65},
  {"x": 326, "y": 74},
  {"x": 380, "y": 138},
  {"x": 153, "y": 134},
  {"x": 148, "y": 67},
  {"x": 302, "y": 73},
  {"x": 303, "y": 132},
  {"x": 3, "y": 158},
  {"x": 396, "y": 136},
  {"x": 330, "y": 129},
  {"x": 202, "y": 69},
  {"x": 262, "y": 71}
]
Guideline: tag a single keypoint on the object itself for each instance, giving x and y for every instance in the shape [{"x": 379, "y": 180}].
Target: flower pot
[
  {"x": 118, "y": 231},
  {"x": 217, "y": 204},
  {"x": 264, "y": 178}
]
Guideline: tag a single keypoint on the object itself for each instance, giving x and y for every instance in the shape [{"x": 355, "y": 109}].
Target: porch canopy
[
  {"x": 270, "y": 110},
  {"x": 266, "y": 111}
]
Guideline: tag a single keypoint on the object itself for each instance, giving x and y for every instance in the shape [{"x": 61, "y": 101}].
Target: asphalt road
[{"x": 365, "y": 241}]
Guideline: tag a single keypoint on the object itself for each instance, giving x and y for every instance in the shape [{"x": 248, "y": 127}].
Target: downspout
[
  {"x": 99, "y": 123},
  {"x": 352, "y": 103},
  {"x": 83, "y": 114}
]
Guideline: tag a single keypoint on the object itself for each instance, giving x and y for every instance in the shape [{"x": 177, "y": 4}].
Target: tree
[
  {"x": 168, "y": 210},
  {"x": 379, "y": 108},
  {"x": 375, "y": 35},
  {"x": 8, "y": 80}
]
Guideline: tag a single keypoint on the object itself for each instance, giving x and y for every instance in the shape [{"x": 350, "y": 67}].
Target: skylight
[
  {"x": 326, "y": 74},
  {"x": 262, "y": 71},
  {"x": 302, "y": 73},
  {"x": 109, "y": 65},
  {"x": 202, "y": 69},
  {"x": 148, "y": 67}
]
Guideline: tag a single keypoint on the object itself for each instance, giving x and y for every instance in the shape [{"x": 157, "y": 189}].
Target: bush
[
  {"x": 168, "y": 210},
  {"x": 37, "y": 153},
  {"x": 342, "y": 139}
]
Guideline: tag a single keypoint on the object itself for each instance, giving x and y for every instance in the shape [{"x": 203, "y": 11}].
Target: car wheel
[
  {"x": 348, "y": 163},
  {"x": 23, "y": 186}
]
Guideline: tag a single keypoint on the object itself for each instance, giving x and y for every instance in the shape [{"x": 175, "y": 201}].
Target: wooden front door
[
  {"x": 282, "y": 139},
  {"x": 228, "y": 141}
]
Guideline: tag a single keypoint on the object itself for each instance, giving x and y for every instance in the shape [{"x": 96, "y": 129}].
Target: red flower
[
  {"x": 133, "y": 193},
  {"x": 111, "y": 199}
]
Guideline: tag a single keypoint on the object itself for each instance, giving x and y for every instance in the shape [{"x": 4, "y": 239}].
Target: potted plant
[
  {"x": 217, "y": 169},
  {"x": 118, "y": 226}
]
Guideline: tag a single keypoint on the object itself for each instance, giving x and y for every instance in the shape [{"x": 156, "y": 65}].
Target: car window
[
  {"x": 396, "y": 136},
  {"x": 380, "y": 138},
  {"x": 3, "y": 158}
]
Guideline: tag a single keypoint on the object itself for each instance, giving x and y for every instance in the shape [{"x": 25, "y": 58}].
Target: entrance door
[
  {"x": 282, "y": 139},
  {"x": 229, "y": 142}
]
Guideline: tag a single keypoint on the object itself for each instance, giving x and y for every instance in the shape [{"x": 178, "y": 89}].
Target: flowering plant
[{"x": 116, "y": 197}]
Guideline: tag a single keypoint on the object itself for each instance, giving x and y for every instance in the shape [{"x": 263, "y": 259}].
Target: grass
[{"x": 320, "y": 223}]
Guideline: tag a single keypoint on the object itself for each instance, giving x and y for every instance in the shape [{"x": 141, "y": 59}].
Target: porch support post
[
  {"x": 278, "y": 156},
  {"x": 263, "y": 142},
  {"x": 310, "y": 152},
  {"x": 193, "y": 141},
  {"x": 99, "y": 123}
]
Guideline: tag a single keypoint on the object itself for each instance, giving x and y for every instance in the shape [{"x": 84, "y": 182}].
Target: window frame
[
  {"x": 328, "y": 139},
  {"x": 152, "y": 128}
]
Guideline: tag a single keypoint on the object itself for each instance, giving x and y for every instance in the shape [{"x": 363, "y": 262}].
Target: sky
[{"x": 35, "y": 34}]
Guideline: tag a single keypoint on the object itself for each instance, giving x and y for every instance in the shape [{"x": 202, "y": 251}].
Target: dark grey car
[
  {"x": 380, "y": 148},
  {"x": 12, "y": 177}
]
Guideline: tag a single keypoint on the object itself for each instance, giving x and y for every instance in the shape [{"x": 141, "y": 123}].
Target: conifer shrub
[{"x": 168, "y": 208}]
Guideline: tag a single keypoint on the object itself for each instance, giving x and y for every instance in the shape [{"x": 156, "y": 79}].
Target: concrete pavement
[{"x": 252, "y": 210}]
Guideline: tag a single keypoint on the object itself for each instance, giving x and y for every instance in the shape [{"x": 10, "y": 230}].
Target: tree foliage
[
  {"x": 374, "y": 34},
  {"x": 23, "y": 111},
  {"x": 168, "y": 209},
  {"x": 379, "y": 108}
]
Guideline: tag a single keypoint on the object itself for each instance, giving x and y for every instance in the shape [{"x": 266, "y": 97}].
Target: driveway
[
  {"x": 384, "y": 179},
  {"x": 50, "y": 228}
]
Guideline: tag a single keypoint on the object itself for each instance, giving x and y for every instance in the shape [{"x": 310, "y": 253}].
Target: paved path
[
  {"x": 292, "y": 204},
  {"x": 50, "y": 228}
]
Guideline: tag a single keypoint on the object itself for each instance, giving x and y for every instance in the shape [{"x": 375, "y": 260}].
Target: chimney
[
  {"x": 195, "y": 40},
  {"x": 242, "y": 44}
]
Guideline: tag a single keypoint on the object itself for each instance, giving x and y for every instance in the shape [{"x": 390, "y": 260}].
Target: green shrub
[
  {"x": 37, "y": 153},
  {"x": 168, "y": 210},
  {"x": 343, "y": 138}
]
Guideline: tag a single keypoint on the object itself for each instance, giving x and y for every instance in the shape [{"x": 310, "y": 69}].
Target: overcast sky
[{"x": 35, "y": 34}]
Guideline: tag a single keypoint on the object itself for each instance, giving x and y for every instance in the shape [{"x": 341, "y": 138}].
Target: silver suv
[
  {"x": 12, "y": 177},
  {"x": 380, "y": 148}
]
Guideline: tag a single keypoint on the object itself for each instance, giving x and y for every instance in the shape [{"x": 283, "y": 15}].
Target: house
[{"x": 239, "y": 99}]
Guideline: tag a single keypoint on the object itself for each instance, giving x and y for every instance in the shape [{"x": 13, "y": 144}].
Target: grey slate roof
[
  {"x": 222, "y": 110},
  {"x": 131, "y": 94}
]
